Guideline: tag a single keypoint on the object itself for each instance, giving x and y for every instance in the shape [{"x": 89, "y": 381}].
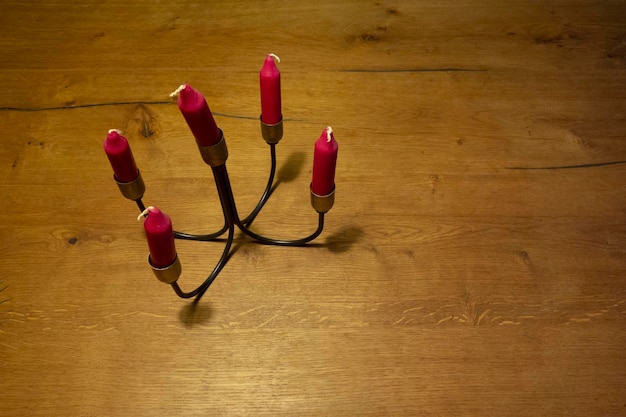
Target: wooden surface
[{"x": 474, "y": 262}]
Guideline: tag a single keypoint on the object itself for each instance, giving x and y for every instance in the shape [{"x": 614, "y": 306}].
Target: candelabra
[{"x": 215, "y": 156}]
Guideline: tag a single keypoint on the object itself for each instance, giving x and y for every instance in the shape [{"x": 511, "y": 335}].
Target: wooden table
[{"x": 473, "y": 264}]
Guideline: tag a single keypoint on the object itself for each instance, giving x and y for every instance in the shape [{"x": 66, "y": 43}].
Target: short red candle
[
  {"x": 160, "y": 237},
  {"x": 324, "y": 163},
  {"x": 196, "y": 112},
  {"x": 269, "y": 78},
  {"x": 121, "y": 157}
]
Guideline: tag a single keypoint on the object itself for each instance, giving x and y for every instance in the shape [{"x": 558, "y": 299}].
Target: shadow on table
[
  {"x": 291, "y": 168},
  {"x": 195, "y": 313},
  {"x": 344, "y": 238}
]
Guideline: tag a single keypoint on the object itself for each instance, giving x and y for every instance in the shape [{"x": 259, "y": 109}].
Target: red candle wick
[
  {"x": 276, "y": 57},
  {"x": 175, "y": 93}
]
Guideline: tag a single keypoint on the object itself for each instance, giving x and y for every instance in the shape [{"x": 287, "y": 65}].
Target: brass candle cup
[
  {"x": 215, "y": 155},
  {"x": 132, "y": 190},
  {"x": 323, "y": 203},
  {"x": 272, "y": 134},
  {"x": 168, "y": 274}
]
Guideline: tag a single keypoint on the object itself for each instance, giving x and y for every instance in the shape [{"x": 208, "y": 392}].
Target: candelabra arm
[
  {"x": 279, "y": 242},
  {"x": 268, "y": 189},
  {"x": 202, "y": 288},
  {"x": 215, "y": 156},
  {"x": 225, "y": 192},
  {"x": 204, "y": 238},
  {"x": 189, "y": 236},
  {"x": 141, "y": 206}
]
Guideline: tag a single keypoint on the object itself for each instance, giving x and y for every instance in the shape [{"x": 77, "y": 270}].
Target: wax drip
[
  {"x": 275, "y": 57},
  {"x": 176, "y": 92},
  {"x": 119, "y": 132},
  {"x": 145, "y": 213},
  {"x": 329, "y": 131}
]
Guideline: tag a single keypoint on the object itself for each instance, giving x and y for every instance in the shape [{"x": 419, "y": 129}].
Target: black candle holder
[{"x": 215, "y": 156}]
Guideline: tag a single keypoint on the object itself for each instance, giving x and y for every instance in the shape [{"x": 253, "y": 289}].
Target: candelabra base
[{"x": 215, "y": 156}]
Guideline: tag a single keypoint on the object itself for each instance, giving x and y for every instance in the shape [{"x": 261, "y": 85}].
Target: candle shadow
[
  {"x": 195, "y": 313},
  {"x": 344, "y": 239},
  {"x": 290, "y": 170}
]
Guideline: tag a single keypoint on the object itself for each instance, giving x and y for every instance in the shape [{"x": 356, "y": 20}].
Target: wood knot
[
  {"x": 39, "y": 144},
  {"x": 524, "y": 257},
  {"x": 544, "y": 39},
  {"x": 369, "y": 37},
  {"x": 558, "y": 36},
  {"x": 618, "y": 49},
  {"x": 143, "y": 122},
  {"x": 391, "y": 11}
]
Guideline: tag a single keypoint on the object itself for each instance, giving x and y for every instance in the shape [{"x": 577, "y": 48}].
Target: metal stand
[{"x": 216, "y": 156}]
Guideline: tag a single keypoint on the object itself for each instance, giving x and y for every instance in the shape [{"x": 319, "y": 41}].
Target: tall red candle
[
  {"x": 324, "y": 163},
  {"x": 120, "y": 156},
  {"x": 160, "y": 235},
  {"x": 196, "y": 112},
  {"x": 269, "y": 78}
]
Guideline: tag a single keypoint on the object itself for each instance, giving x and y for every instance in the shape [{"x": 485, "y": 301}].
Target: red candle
[
  {"x": 324, "y": 162},
  {"x": 160, "y": 237},
  {"x": 196, "y": 112},
  {"x": 121, "y": 157},
  {"x": 269, "y": 78}
]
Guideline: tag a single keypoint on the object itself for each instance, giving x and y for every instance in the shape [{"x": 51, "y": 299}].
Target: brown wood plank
[{"x": 473, "y": 262}]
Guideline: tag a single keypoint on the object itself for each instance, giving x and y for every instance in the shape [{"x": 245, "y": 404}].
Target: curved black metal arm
[
  {"x": 199, "y": 292},
  {"x": 268, "y": 189},
  {"x": 142, "y": 208},
  {"x": 232, "y": 220},
  {"x": 280, "y": 242},
  {"x": 204, "y": 238},
  {"x": 189, "y": 236}
]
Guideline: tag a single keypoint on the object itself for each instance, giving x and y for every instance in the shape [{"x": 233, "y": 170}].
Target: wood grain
[{"x": 473, "y": 262}]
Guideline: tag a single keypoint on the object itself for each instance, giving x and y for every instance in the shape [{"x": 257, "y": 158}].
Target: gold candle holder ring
[
  {"x": 323, "y": 203},
  {"x": 272, "y": 134},
  {"x": 168, "y": 274},
  {"x": 215, "y": 155},
  {"x": 132, "y": 190}
]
